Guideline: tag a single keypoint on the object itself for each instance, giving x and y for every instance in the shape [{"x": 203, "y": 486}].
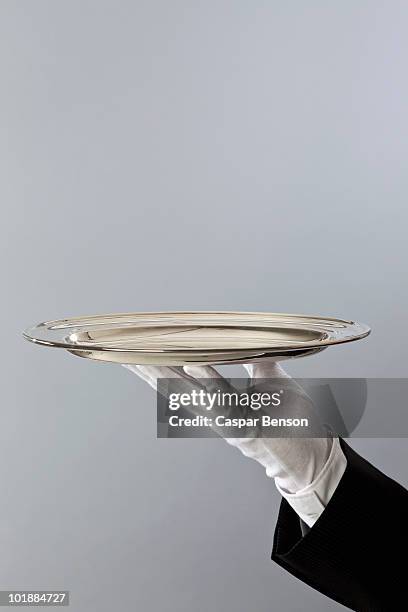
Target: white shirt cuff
[{"x": 309, "y": 503}]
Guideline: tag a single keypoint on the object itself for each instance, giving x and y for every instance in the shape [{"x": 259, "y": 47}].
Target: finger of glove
[
  {"x": 151, "y": 374},
  {"x": 224, "y": 394},
  {"x": 209, "y": 378},
  {"x": 266, "y": 369},
  {"x": 141, "y": 374}
]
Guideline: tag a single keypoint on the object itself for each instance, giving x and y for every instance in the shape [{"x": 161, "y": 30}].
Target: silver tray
[{"x": 181, "y": 338}]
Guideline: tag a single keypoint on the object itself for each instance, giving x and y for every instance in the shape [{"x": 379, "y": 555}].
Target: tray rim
[{"x": 362, "y": 330}]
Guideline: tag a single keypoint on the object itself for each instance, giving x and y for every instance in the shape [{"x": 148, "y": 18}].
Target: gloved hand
[{"x": 295, "y": 463}]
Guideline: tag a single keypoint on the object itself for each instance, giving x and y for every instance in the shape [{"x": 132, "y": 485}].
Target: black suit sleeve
[{"x": 355, "y": 553}]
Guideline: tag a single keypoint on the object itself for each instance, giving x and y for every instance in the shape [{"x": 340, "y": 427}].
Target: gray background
[{"x": 172, "y": 155}]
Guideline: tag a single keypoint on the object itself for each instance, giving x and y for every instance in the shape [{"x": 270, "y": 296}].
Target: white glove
[{"x": 295, "y": 463}]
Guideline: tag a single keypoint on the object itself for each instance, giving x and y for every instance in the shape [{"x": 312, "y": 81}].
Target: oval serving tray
[{"x": 181, "y": 338}]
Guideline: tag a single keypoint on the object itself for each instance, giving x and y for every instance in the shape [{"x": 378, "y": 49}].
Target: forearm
[{"x": 353, "y": 551}]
